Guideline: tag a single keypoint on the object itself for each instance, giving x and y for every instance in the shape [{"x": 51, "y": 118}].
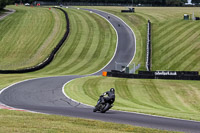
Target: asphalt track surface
[{"x": 45, "y": 95}]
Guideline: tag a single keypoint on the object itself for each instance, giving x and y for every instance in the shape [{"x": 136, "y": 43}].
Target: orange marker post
[{"x": 104, "y": 73}]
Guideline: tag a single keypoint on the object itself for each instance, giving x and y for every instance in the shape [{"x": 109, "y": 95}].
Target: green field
[
  {"x": 29, "y": 35},
  {"x": 171, "y": 98},
  {"x": 89, "y": 47},
  {"x": 22, "y": 122}
]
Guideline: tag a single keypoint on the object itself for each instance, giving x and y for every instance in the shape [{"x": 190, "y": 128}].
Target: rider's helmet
[{"x": 112, "y": 90}]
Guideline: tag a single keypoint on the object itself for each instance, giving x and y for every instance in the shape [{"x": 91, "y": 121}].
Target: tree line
[
  {"x": 152, "y": 2},
  {"x": 3, "y": 3}
]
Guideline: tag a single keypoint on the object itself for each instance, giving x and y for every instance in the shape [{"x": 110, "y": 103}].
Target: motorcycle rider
[{"x": 110, "y": 98}]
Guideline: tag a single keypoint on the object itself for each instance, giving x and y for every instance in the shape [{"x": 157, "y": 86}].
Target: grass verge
[{"x": 16, "y": 121}]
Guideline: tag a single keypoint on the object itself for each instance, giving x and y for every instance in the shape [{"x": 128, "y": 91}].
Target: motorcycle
[{"x": 102, "y": 106}]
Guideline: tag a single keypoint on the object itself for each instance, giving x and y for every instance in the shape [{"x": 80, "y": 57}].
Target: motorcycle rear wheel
[
  {"x": 95, "y": 109},
  {"x": 106, "y": 108}
]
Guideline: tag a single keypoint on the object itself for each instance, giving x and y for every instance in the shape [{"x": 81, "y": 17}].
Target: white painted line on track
[
  {"x": 4, "y": 106},
  {"x": 63, "y": 90}
]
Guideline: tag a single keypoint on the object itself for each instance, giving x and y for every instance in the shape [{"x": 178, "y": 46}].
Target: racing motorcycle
[{"x": 102, "y": 106}]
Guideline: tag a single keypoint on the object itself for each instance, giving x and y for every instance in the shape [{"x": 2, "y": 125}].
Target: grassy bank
[
  {"x": 16, "y": 121},
  {"x": 29, "y": 35},
  {"x": 89, "y": 47},
  {"x": 179, "y": 99}
]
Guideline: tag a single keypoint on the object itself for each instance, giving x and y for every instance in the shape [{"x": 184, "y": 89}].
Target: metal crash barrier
[{"x": 172, "y": 75}]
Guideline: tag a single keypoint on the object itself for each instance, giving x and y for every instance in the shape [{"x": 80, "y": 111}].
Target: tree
[
  {"x": 196, "y": 1},
  {"x": 3, "y": 3},
  {"x": 175, "y": 2}
]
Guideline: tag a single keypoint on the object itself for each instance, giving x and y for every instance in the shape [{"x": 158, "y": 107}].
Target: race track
[{"x": 45, "y": 95}]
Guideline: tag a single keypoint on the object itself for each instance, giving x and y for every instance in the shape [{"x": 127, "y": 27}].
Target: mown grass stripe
[
  {"x": 97, "y": 52},
  {"x": 26, "y": 35},
  {"x": 194, "y": 64},
  {"x": 187, "y": 96},
  {"x": 148, "y": 17},
  {"x": 87, "y": 49},
  {"x": 50, "y": 40},
  {"x": 170, "y": 35},
  {"x": 174, "y": 51},
  {"x": 180, "y": 40},
  {"x": 106, "y": 52},
  {"x": 161, "y": 27},
  {"x": 127, "y": 94},
  {"x": 166, "y": 30},
  {"x": 187, "y": 59},
  {"x": 182, "y": 58},
  {"x": 169, "y": 50},
  {"x": 89, "y": 84},
  {"x": 69, "y": 51},
  {"x": 83, "y": 46}
]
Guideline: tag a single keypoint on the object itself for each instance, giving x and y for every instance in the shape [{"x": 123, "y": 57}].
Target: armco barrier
[
  {"x": 172, "y": 75},
  {"x": 129, "y": 10},
  {"x": 49, "y": 59},
  {"x": 148, "y": 56}
]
